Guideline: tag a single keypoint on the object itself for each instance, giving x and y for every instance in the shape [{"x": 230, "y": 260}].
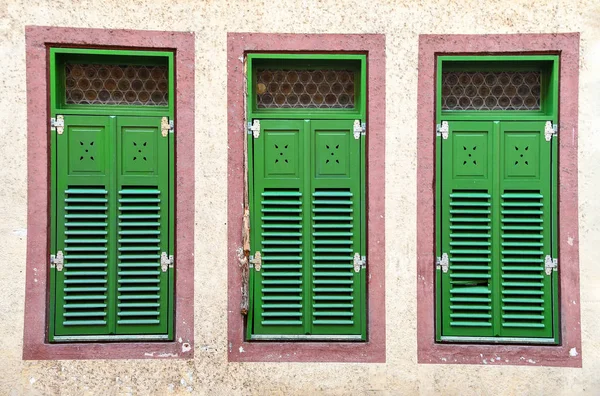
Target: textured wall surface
[{"x": 209, "y": 372}]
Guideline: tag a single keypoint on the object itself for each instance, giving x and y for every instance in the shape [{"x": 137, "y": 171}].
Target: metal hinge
[
  {"x": 166, "y": 262},
  {"x": 442, "y": 263},
  {"x": 359, "y": 262},
  {"x": 550, "y": 130},
  {"x": 57, "y": 124},
  {"x": 166, "y": 126},
  {"x": 442, "y": 130},
  {"x": 57, "y": 261},
  {"x": 359, "y": 129},
  {"x": 256, "y": 262},
  {"x": 254, "y": 128},
  {"x": 551, "y": 264}
]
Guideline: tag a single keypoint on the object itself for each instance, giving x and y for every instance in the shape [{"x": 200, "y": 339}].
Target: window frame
[
  {"x": 39, "y": 40},
  {"x": 373, "y": 46},
  {"x": 568, "y": 352}
]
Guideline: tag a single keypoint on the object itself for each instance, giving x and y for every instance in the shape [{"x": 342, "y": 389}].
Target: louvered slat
[
  {"x": 522, "y": 260},
  {"x": 86, "y": 257},
  {"x": 138, "y": 261},
  {"x": 282, "y": 254},
  {"x": 332, "y": 257},
  {"x": 470, "y": 259}
]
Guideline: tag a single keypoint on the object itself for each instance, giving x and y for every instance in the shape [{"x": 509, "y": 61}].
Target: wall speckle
[{"x": 210, "y": 21}]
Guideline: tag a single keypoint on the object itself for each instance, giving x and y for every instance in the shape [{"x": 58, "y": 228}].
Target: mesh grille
[
  {"x": 491, "y": 90},
  {"x": 116, "y": 84},
  {"x": 305, "y": 89}
]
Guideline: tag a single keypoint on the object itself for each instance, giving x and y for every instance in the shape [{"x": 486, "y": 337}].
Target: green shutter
[
  {"x": 467, "y": 203},
  {"x": 143, "y": 227},
  {"x": 335, "y": 233},
  {"x": 279, "y": 228},
  {"x": 306, "y": 223},
  {"x": 525, "y": 224},
  {"x": 496, "y": 223},
  {"x": 111, "y": 224}
]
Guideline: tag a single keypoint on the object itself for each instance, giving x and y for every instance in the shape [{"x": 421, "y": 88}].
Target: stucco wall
[{"x": 210, "y": 21}]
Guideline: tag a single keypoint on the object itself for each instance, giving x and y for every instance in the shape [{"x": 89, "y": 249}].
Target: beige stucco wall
[{"x": 209, "y": 372}]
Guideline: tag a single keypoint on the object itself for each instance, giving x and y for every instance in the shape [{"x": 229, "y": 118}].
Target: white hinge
[
  {"x": 359, "y": 129},
  {"x": 442, "y": 130},
  {"x": 442, "y": 262},
  {"x": 550, "y": 130},
  {"x": 254, "y": 128},
  {"x": 57, "y": 261},
  {"x": 359, "y": 262},
  {"x": 57, "y": 124},
  {"x": 256, "y": 262},
  {"x": 551, "y": 264},
  {"x": 166, "y": 126},
  {"x": 166, "y": 261}
]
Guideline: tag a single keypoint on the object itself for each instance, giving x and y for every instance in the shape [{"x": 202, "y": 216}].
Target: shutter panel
[
  {"x": 84, "y": 228},
  {"x": 142, "y": 180},
  {"x": 525, "y": 199},
  {"x": 335, "y": 229},
  {"x": 278, "y": 227},
  {"x": 496, "y": 229},
  {"x": 467, "y": 216}
]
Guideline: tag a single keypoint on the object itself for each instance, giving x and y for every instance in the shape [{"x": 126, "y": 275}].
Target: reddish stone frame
[
  {"x": 568, "y": 353},
  {"x": 238, "y": 44},
  {"x": 38, "y": 40}
]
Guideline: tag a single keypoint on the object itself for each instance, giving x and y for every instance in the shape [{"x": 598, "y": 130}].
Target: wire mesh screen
[
  {"x": 491, "y": 90},
  {"x": 324, "y": 89},
  {"x": 116, "y": 84}
]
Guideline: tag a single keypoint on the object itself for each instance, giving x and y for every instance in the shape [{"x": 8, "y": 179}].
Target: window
[
  {"x": 307, "y": 183},
  {"x": 101, "y": 200},
  {"x": 492, "y": 201},
  {"x": 497, "y": 209},
  {"x": 111, "y": 198},
  {"x": 298, "y": 64}
]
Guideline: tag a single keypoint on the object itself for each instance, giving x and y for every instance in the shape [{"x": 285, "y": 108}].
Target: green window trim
[
  {"x": 496, "y": 220},
  {"x": 307, "y": 206},
  {"x": 112, "y": 216}
]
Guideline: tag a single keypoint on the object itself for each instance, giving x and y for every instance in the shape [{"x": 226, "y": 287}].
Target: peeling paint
[
  {"x": 242, "y": 350},
  {"x": 573, "y": 352},
  {"x": 185, "y": 347},
  {"x": 570, "y": 241}
]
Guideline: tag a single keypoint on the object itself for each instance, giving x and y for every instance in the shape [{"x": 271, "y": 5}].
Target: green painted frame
[
  {"x": 57, "y": 57},
  {"x": 546, "y": 64},
  {"x": 549, "y": 67},
  {"x": 356, "y": 62}
]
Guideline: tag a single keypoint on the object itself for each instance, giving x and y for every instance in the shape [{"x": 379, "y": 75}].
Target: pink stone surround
[
  {"x": 38, "y": 41},
  {"x": 373, "y": 45},
  {"x": 568, "y": 353}
]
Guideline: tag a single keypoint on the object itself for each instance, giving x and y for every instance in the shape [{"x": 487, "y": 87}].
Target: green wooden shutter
[
  {"x": 496, "y": 229},
  {"x": 85, "y": 232},
  {"x": 112, "y": 186},
  {"x": 467, "y": 202},
  {"x": 525, "y": 224},
  {"x": 335, "y": 234},
  {"x": 279, "y": 228},
  {"x": 306, "y": 223},
  {"x": 143, "y": 226}
]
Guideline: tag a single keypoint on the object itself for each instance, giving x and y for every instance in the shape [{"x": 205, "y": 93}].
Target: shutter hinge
[
  {"x": 442, "y": 130},
  {"x": 166, "y": 126},
  {"x": 166, "y": 261},
  {"x": 57, "y": 261},
  {"x": 359, "y": 262},
  {"x": 550, "y": 130},
  {"x": 442, "y": 263},
  {"x": 551, "y": 264},
  {"x": 256, "y": 262},
  {"x": 359, "y": 129},
  {"x": 254, "y": 128},
  {"x": 57, "y": 124}
]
